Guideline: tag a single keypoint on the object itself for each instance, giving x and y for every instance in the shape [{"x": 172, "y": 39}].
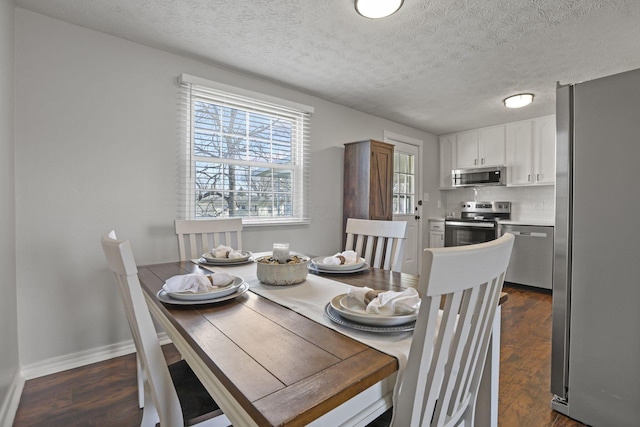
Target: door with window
[{"x": 407, "y": 205}]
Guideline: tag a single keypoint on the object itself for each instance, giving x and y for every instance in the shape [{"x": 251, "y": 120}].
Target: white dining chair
[
  {"x": 199, "y": 236},
  {"x": 460, "y": 289},
  {"x": 380, "y": 243},
  {"x": 173, "y": 395}
]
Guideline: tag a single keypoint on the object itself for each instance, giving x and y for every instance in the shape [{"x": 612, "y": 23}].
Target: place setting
[
  {"x": 225, "y": 256},
  {"x": 197, "y": 288},
  {"x": 371, "y": 310},
  {"x": 347, "y": 262}
]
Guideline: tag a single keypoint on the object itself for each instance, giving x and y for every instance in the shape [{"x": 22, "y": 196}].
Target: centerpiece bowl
[{"x": 271, "y": 272}]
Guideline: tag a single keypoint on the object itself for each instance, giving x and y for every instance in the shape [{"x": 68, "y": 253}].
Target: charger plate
[
  {"x": 319, "y": 261},
  {"x": 316, "y": 269},
  {"x": 335, "y": 317},
  {"x": 209, "y": 259},
  {"x": 216, "y": 293},
  {"x": 164, "y": 297},
  {"x": 346, "y": 310}
]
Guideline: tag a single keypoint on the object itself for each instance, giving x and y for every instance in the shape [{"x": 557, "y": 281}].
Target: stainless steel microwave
[{"x": 479, "y": 177}]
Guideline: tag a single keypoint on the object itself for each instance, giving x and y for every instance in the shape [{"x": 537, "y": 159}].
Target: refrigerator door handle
[{"x": 562, "y": 248}]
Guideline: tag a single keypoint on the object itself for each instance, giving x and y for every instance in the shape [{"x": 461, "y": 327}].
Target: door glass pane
[{"x": 403, "y": 183}]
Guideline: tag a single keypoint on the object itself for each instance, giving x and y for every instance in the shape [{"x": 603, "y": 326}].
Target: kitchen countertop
[
  {"x": 535, "y": 223},
  {"x": 532, "y": 222}
]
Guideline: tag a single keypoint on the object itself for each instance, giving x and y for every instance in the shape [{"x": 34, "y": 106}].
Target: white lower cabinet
[{"x": 436, "y": 233}]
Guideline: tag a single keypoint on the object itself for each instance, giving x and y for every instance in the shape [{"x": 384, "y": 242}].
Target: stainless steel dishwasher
[{"x": 531, "y": 261}]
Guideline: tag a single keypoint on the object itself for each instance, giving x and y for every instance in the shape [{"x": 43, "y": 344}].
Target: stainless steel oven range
[{"x": 478, "y": 223}]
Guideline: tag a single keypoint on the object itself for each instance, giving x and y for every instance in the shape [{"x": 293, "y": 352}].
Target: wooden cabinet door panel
[{"x": 381, "y": 182}]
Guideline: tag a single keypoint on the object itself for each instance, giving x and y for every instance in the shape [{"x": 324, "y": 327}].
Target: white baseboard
[
  {"x": 82, "y": 358},
  {"x": 11, "y": 401}
]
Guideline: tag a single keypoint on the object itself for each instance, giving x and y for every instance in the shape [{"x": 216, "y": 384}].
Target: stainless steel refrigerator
[{"x": 595, "y": 361}]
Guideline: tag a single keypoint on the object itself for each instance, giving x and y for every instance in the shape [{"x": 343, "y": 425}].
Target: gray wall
[
  {"x": 96, "y": 149},
  {"x": 8, "y": 314}
]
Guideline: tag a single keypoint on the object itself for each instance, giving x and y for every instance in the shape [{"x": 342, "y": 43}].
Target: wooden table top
[{"x": 281, "y": 367}]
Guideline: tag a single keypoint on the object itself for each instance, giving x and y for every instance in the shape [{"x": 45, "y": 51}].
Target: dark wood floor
[{"x": 105, "y": 394}]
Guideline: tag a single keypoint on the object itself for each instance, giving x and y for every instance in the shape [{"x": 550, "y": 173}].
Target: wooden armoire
[{"x": 368, "y": 181}]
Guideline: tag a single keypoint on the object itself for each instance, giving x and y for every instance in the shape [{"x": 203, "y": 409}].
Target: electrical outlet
[{"x": 439, "y": 204}]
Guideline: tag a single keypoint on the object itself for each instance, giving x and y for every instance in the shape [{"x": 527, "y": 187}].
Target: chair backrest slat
[
  {"x": 199, "y": 236},
  {"x": 460, "y": 289},
  {"x": 380, "y": 243}
]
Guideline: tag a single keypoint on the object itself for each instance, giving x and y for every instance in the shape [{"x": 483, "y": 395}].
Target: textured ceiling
[{"x": 436, "y": 65}]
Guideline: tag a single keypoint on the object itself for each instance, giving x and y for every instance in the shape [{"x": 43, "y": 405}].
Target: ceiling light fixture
[
  {"x": 377, "y": 8},
  {"x": 519, "y": 100}
]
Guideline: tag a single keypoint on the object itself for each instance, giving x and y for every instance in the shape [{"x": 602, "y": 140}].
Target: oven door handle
[{"x": 470, "y": 225}]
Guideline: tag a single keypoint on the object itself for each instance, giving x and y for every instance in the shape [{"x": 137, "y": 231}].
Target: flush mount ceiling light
[
  {"x": 518, "y": 101},
  {"x": 377, "y": 8}
]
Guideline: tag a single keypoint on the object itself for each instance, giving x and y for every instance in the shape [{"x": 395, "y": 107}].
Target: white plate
[
  {"x": 162, "y": 296},
  {"x": 336, "y": 317},
  {"x": 353, "y": 304},
  {"x": 319, "y": 261},
  {"x": 216, "y": 293},
  {"x": 210, "y": 259},
  {"x": 316, "y": 269},
  {"x": 368, "y": 318}
]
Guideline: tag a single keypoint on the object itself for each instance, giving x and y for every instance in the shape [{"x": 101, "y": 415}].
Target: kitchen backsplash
[{"x": 535, "y": 203}]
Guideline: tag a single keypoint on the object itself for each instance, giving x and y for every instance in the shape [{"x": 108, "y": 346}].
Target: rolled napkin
[
  {"x": 222, "y": 251},
  {"x": 387, "y": 303},
  {"x": 342, "y": 258},
  {"x": 197, "y": 283},
  {"x": 234, "y": 254}
]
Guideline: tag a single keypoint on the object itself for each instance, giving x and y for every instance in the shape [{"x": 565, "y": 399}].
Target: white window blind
[{"x": 242, "y": 154}]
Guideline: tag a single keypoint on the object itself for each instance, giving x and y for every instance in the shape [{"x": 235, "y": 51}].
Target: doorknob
[{"x": 417, "y": 216}]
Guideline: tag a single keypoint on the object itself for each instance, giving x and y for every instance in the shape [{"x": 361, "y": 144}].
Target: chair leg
[
  {"x": 150, "y": 417},
  {"x": 141, "y": 381}
]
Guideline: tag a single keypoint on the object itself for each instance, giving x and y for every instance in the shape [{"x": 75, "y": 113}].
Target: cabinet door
[
  {"x": 544, "y": 137},
  {"x": 381, "y": 176},
  {"x": 467, "y": 149},
  {"x": 436, "y": 239},
  {"x": 519, "y": 152},
  {"x": 436, "y": 234},
  {"x": 446, "y": 160},
  {"x": 491, "y": 146}
]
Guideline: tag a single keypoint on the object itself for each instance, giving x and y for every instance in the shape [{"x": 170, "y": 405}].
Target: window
[{"x": 243, "y": 155}]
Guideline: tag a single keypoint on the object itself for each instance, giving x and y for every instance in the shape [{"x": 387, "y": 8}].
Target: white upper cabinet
[
  {"x": 544, "y": 156},
  {"x": 519, "y": 152},
  {"x": 467, "y": 149},
  {"x": 491, "y": 146},
  {"x": 447, "y": 162},
  {"x": 531, "y": 152},
  {"x": 527, "y": 147},
  {"x": 480, "y": 148}
]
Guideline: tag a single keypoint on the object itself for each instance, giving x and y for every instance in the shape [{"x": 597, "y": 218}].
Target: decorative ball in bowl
[{"x": 272, "y": 272}]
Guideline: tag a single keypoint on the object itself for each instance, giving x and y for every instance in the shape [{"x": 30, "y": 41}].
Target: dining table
[{"x": 271, "y": 355}]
